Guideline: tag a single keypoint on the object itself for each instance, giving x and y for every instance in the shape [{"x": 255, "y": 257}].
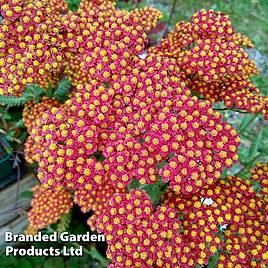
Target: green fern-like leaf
[
  {"x": 12, "y": 100},
  {"x": 32, "y": 92},
  {"x": 35, "y": 90},
  {"x": 61, "y": 93},
  {"x": 64, "y": 222}
]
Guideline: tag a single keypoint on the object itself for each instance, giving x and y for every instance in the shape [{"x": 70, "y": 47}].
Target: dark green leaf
[
  {"x": 37, "y": 262},
  {"x": 6, "y": 116},
  {"x": 224, "y": 173},
  {"x": 32, "y": 92},
  {"x": 24, "y": 263},
  {"x": 212, "y": 263},
  {"x": 61, "y": 142},
  {"x": 35, "y": 90},
  {"x": 198, "y": 95},
  {"x": 106, "y": 84},
  {"x": 133, "y": 185},
  {"x": 243, "y": 153},
  {"x": 264, "y": 142},
  {"x": 7, "y": 261},
  {"x": 97, "y": 256},
  {"x": 54, "y": 262},
  {"x": 253, "y": 150},
  {"x": 161, "y": 164},
  {"x": 153, "y": 191},
  {"x": 64, "y": 222},
  {"x": 49, "y": 92},
  {"x": 12, "y": 100},
  {"x": 99, "y": 156},
  {"x": 27, "y": 194},
  {"x": 19, "y": 124},
  {"x": 61, "y": 93},
  {"x": 73, "y": 4},
  {"x": 141, "y": 140},
  {"x": 79, "y": 228},
  {"x": 73, "y": 262},
  {"x": 247, "y": 120}
]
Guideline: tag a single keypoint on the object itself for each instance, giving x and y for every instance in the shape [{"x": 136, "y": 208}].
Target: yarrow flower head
[
  {"x": 47, "y": 207},
  {"x": 196, "y": 143},
  {"x": 132, "y": 117},
  {"x": 138, "y": 235},
  {"x": 95, "y": 200},
  {"x": 259, "y": 174},
  {"x": 210, "y": 52},
  {"x": 28, "y": 53},
  {"x": 52, "y": 41},
  {"x": 228, "y": 215},
  {"x": 148, "y": 16},
  {"x": 70, "y": 145},
  {"x": 126, "y": 120},
  {"x": 32, "y": 110},
  {"x": 31, "y": 150}
]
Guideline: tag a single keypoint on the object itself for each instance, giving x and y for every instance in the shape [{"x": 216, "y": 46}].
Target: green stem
[
  {"x": 170, "y": 17},
  {"x": 233, "y": 110}
]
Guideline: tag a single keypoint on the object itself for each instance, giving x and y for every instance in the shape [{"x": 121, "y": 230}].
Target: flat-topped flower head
[
  {"x": 211, "y": 24},
  {"x": 147, "y": 16},
  {"x": 31, "y": 110},
  {"x": 228, "y": 215},
  {"x": 195, "y": 143},
  {"x": 29, "y": 45},
  {"x": 137, "y": 235},
  {"x": 211, "y": 54},
  {"x": 259, "y": 174},
  {"x": 48, "y": 206},
  {"x": 96, "y": 199}
]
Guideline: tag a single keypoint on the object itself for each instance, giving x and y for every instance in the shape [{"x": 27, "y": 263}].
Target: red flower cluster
[
  {"x": 30, "y": 150},
  {"x": 175, "y": 41},
  {"x": 135, "y": 127},
  {"x": 229, "y": 217},
  {"x": 106, "y": 48},
  {"x": 32, "y": 110},
  {"x": 95, "y": 200},
  {"x": 201, "y": 143},
  {"x": 260, "y": 174},
  {"x": 133, "y": 117},
  {"x": 42, "y": 40},
  {"x": 47, "y": 207},
  {"x": 103, "y": 7},
  {"x": 210, "y": 52},
  {"x": 30, "y": 53},
  {"x": 148, "y": 16},
  {"x": 30, "y": 113},
  {"x": 137, "y": 235}
]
